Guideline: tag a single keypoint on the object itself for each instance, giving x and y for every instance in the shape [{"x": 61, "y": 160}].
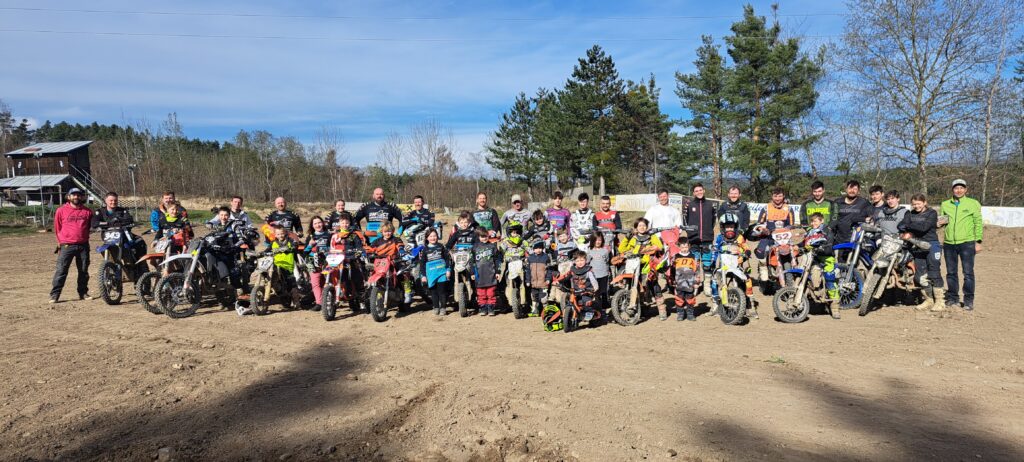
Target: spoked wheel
[
  {"x": 145, "y": 288},
  {"x": 850, "y": 293},
  {"x": 734, "y": 309},
  {"x": 257, "y": 303},
  {"x": 623, "y": 313},
  {"x": 175, "y": 300},
  {"x": 378, "y": 304},
  {"x": 515, "y": 303},
  {"x": 787, "y": 308},
  {"x": 462, "y": 298},
  {"x": 111, "y": 285},
  {"x": 328, "y": 303},
  {"x": 570, "y": 321},
  {"x": 869, "y": 293}
]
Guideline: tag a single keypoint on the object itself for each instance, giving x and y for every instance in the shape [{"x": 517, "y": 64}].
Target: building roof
[
  {"x": 49, "y": 148},
  {"x": 32, "y": 181}
]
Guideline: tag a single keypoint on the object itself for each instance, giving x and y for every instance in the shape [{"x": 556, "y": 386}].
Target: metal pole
[
  {"x": 39, "y": 174},
  {"x": 135, "y": 195}
]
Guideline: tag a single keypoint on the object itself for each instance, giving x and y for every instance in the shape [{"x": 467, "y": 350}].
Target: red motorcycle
[
  {"x": 339, "y": 284},
  {"x": 390, "y": 271}
]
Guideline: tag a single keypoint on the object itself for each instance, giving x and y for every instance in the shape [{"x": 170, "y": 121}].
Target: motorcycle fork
[{"x": 191, "y": 271}]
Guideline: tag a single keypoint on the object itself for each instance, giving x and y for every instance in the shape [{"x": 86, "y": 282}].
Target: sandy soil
[{"x": 84, "y": 381}]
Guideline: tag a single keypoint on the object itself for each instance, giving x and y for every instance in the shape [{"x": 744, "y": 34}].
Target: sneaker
[
  {"x": 85, "y": 297},
  {"x": 680, "y": 315},
  {"x": 952, "y": 304},
  {"x": 437, "y": 311},
  {"x": 689, "y": 315},
  {"x": 662, "y": 317},
  {"x": 713, "y": 311},
  {"x": 52, "y": 301},
  {"x": 317, "y": 307},
  {"x": 968, "y": 306},
  {"x": 752, "y": 313}
]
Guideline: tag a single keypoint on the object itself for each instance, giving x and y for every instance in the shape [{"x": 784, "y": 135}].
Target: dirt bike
[
  {"x": 633, "y": 296},
  {"x": 385, "y": 284},
  {"x": 575, "y": 312},
  {"x": 731, "y": 281},
  {"x": 858, "y": 259},
  {"x": 792, "y": 303},
  {"x": 163, "y": 249},
  {"x": 783, "y": 256},
  {"x": 893, "y": 266},
  {"x": 414, "y": 235},
  {"x": 272, "y": 285},
  {"x": 515, "y": 287},
  {"x": 119, "y": 261},
  {"x": 463, "y": 285},
  {"x": 180, "y": 294},
  {"x": 339, "y": 284}
]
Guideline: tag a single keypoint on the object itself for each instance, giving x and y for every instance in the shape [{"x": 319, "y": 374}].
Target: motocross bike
[
  {"x": 462, "y": 257},
  {"x": 792, "y": 303},
  {"x": 119, "y": 261},
  {"x": 515, "y": 286},
  {"x": 731, "y": 281},
  {"x": 858, "y": 259},
  {"x": 783, "y": 256},
  {"x": 385, "y": 284},
  {"x": 893, "y": 266},
  {"x": 576, "y": 311},
  {"x": 272, "y": 285},
  {"x": 180, "y": 294},
  {"x": 339, "y": 284},
  {"x": 163, "y": 249},
  {"x": 629, "y": 302}
]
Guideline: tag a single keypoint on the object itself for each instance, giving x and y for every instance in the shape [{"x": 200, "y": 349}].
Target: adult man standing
[
  {"x": 818, "y": 204},
  {"x": 485, "y": 216},
  {"x": 876, "y": 195},
  {"x": 662, "y": 215},
  {"x": 377, "y": 212},
  {"x": 516, "y": 213},
  {"x": 581, "y": 221},
  {"x": 557, "y": 215},
  {"x": 608, "y": 220},
  {"x": 419, "y": 213},
  {"x": 851, "y": 210},
  {"x": 71, "y": 225},
  {"x": 737, "y": 207},
  {"x": 284, "y": 218},
  {"x": 700, "y": 212},
  {"x": 961, "y": 216}
]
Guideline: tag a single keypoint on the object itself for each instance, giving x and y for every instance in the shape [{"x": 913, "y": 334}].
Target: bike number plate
[
  {"x": 588, "y": 316},
  {"x": 265, "y": 263},
  {"x": 335, "y": 259}
]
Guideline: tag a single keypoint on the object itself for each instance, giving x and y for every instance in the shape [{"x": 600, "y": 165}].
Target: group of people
[{"x": 558, "y": 244}]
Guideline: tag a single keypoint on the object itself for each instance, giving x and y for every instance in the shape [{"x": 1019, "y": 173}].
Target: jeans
[
  {"x": 68, "y": 252},
  {"x": 928, "y": 264},
  {"x": 964, "y": 254},
  {"x": 439, "y": 295}
]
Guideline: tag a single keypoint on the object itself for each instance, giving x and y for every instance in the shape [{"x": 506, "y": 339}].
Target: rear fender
[{"x": 622, "y": 277}]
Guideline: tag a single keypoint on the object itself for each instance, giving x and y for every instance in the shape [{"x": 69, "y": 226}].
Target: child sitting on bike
[
  {"x": 687, "y": 279},
  {"x": 819, "y": 242},
  {"x": 388, "y": 245},
  {"x": 486, "y": 262},
  {"x": 729, "y": 237},
  {"x": 582, "y": 284},
  {"x": 283, "y": 248},
  {"x": 436, "y": 268},
  {"x": 464, "y": 235},
  {"x": 172, "y": 221},
  {"x": 538, "y": 276},
  {"x": 639, "y": 241}
]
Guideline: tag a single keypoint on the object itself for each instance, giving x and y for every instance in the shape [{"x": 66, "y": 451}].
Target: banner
[
  {"x": 642, "y": 202},
  {"x": 1010, "y": 217}
]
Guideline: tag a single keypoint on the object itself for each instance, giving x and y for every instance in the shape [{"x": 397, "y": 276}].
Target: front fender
[
  {"x": 183, "y": 256},
  {"x": 102, "y": 248},
  {"x": 795, "y": 271}
]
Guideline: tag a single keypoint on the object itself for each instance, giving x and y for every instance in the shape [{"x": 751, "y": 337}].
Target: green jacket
[{"x": 964, "y": 220}]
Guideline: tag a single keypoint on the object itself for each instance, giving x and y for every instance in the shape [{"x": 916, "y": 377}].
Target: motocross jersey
[
  {"x": 387, "y": 247},
  {"x": 774, "y": 217},
  {"x": 319, "y": 241},
  {"x": 636, "y": 243},
  {"x": 117, "y": 217},
  {"x": 486, "y": 260},
  {"x": 559, "y": 217},
  {"x": 423, "y": 215},
  {"x": 889, "y": 219},
  {"x": 462, "y": 239},
  {"x": 740, "y": 209},
  {"x": 580, "y": 222},
  {"x": 240, "y": 215},
  {"x": 582, "y": 282},
  {"x": 819, "y": 240},
  {"x": 432, "y": 253},
  {"x": 609, "y": 220},
  {"x": 686, "y": 268},
  {"x": 848, "y": 216},
  {"x": 334, "y": 217},
  {"x": 826, "y": 208},
  {"x": 564, "y": 250},
  {"x": 542, "y": 231},
  {"x": 487, "y": 218},
  {"x": 721, "y": 242},
  {"x": 286, "y": 219},
  {"x": 512, "y": 252},
  {"x": 352, "y": 241},
  {"x": 521, "y": 216},
  {"x": 376, "y": 214}
]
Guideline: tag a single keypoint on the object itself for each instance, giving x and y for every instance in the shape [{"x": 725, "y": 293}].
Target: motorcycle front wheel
[
  {"x": 787, "y": 309},
  {"x": 327, "y": 303},
  {"x": 869, "y": 291},
  {"x": 462, "y": 299},
  {"x": 145, "y": 288},
  {"x": 733, "y": 312},
  {"x": 176, "y": 301},
  {"x": 624, "y": 314},
  {"x": 111, "y": 282},
  {"x": 256, "y": 301},
  {"x": 378, "y": 304},
  {"x": 850, "y": 294}
]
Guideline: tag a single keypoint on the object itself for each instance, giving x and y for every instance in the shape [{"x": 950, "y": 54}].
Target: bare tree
[
  {"x": 391, "y": 156},
  {"x": 329, "y": 146},
  {"x": 1008, "y": 17},
  {"x": 920, "y": 58},
  {"x": 433, "y": 148}
]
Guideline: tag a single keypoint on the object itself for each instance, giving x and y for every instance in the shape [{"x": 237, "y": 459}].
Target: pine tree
[
  {"x": 512, "y": 146},
  {"x": 703, "y": 93},
  {"x": 644, "y": 135}
]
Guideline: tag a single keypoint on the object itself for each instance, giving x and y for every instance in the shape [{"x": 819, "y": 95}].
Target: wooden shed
[{"x": 44, "y": 172}]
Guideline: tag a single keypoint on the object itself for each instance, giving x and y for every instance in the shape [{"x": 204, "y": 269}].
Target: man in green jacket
[
  {"x": 961, "y": 217},
  {"x": 817, "y": 204}
]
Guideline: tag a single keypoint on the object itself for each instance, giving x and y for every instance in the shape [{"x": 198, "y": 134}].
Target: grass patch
[{"x": 8, "y": 230}]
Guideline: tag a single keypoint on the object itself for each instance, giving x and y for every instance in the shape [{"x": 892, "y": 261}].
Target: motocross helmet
[
  {"x": 551, "y": 316},
  {"x": 517, "y": 228},
  {"x": 726, "y": 219}
]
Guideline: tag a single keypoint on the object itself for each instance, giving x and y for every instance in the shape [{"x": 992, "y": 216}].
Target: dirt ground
[{"x": 87, "y": 381}]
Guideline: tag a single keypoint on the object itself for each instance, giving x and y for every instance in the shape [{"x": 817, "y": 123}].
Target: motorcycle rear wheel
[
  {"x": 378, "y": 304},
  {"x": 110, "y": 280}
]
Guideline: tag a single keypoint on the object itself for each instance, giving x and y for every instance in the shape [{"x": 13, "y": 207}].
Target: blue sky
[{"x": 365, "y": 68}]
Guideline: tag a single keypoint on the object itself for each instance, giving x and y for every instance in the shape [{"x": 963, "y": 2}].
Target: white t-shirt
[{"x": 663, "y": 216}]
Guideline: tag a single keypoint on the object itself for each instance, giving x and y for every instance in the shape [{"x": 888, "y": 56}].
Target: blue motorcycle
[{"x": 119, "y": 261}]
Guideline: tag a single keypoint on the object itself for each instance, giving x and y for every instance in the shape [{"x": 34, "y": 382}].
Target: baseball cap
[
  {"x": 959, "y": 182},
  {"x": 516, "y": 198},
  {"x": 74, "y": 191}
]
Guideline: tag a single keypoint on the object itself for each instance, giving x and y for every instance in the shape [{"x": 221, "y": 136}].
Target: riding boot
[
  {"x": 929, "y": 299},
  {"x": 407, "y": 287},
  {"x": 689, "y": 313},
  {"x": 662, "y": 310},
  {"x": 939, "y": 299}
]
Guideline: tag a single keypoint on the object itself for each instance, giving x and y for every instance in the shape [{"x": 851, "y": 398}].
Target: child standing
[
  {"x": 436, "y": 268},
  {"x": 318, "y": 243},
  {"x": 600, "y": 261},
  {"x": 283, "y": 248},
  {"x": 486, "y": 261},
  {"x": 538, "y": 276},
  {"x": 687, "y": 279}
]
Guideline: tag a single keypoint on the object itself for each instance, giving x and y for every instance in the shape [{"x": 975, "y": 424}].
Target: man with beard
[
  {"x": 486, "y": 217},
  {"x": 817, "y": 204},
  {"x": 71, "y": 225},
  {"x": 284, "y": 218},
  {"x": 377, "y": 212},
  {"x": 851, "y": 210}
]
